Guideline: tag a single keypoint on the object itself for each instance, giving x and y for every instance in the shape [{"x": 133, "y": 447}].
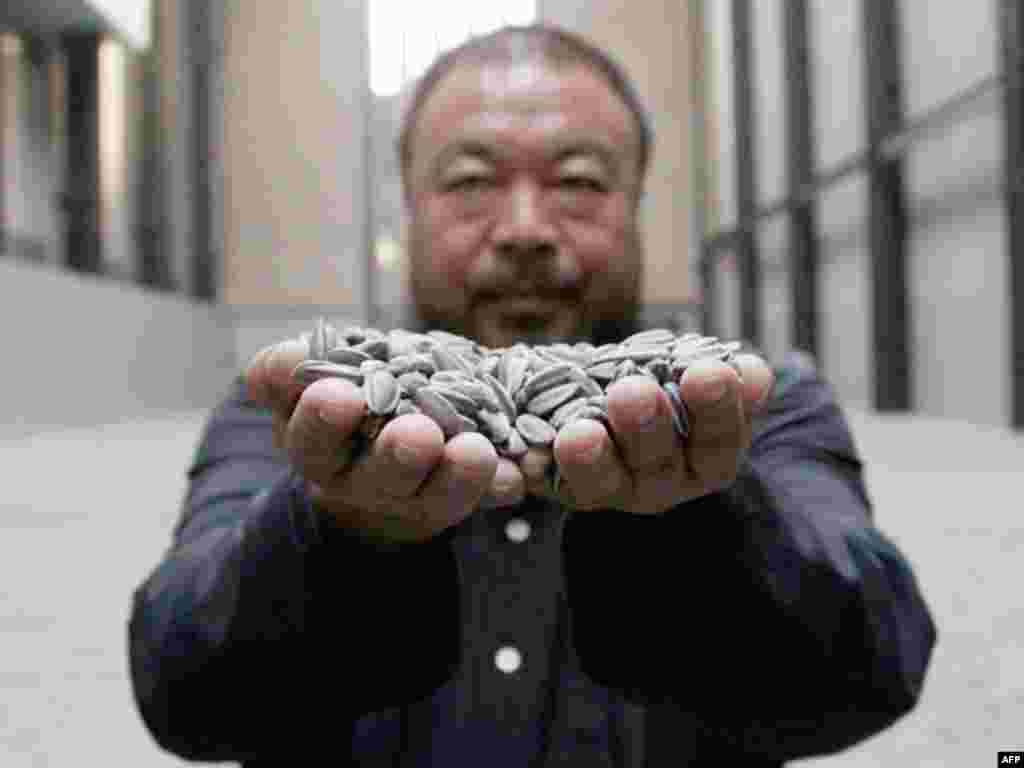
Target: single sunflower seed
[
  {"x": 535, "y": 431},
  {"x": 548, "y": 400},
  {"x": 516, "y": 447},
  {"x": 309, "y": 371},
  {"x": 382, "y": 392},
  {"x": 496, "y": 424},
  {"x": 345, "y": 355}
]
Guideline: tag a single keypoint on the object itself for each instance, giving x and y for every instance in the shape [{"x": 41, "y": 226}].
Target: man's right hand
[{"x": 408, "y": 486}]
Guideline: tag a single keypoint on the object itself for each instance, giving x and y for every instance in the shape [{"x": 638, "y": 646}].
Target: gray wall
[
  {"x": 83, "y": 351},
  {"x": 32, "y": 162},
  {"x": 957, "y": 250}
]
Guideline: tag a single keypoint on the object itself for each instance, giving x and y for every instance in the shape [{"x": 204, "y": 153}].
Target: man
[{"x": 726, "y": 596}]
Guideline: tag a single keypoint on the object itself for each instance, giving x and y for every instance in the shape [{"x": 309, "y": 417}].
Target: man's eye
[
  {"x": 469, "y": 184},
  {"x": 581, "y": 183}
]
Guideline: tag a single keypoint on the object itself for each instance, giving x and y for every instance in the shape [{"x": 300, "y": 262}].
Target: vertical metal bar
[
  {"x": 1011, "y": 18},
  {"x": 698, "y": 147},
  {"x": 371, "y": 300},
  {"x": 746, "y": 172},
  {"x": 199, "y": 46},
  {"x": 709, "y": 287},
  {"x": 82, "y": 180},
  {"x": 155, "y": 269},
  {"x": 803, "y": 241},
  {"x": 887, "y": 207}
]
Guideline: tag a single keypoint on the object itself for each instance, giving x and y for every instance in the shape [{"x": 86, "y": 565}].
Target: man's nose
[{"x": 523, "y": 228}]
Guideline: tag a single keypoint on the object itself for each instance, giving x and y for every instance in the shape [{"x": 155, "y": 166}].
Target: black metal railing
[{"x": 890, "y": 134}]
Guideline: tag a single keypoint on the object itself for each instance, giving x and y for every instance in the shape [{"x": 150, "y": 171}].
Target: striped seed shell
[
  {"x": 516, "y": 447},
  {"x": 412, "y": 381},
  {"x": 447, "y": 359},
  {"x": 638, "y": 353},
  {"x": 420, "y": 362},
  {"x": 406, "y": 407},
  {"x": 482, "y": 394},
  {"x": 463, "y": 403},
  {"x": 626, "y": 368},
  {"x": 489, "y": 364},
  {"x": 591, "y": 412},
  {"x": 548, "y": 400},
  {"x": 603, "y": 371},
  {"x": 544, "y": 379},
  {"x": 376, "y": 348},
  {"x": 564, "y": 412},
  {"x": 382, "y": 392},
  {"x": 450, "y": 377},
  {"x": 496, "y": 425},
  {"x": 440, "y": 410},
  {"x": 318, "y": 340},
  {"x": 656, "y": 336},
  {"x": 309, "y": 371},
  {"x": 448, "y": 338},
  {"x": 345, "y": 355},
  {"x": 589, "y": 387},
  {"x": 512, "y": 370},
  {"x": 535, "y": 431},
  {"x": 502, "y": 395}
]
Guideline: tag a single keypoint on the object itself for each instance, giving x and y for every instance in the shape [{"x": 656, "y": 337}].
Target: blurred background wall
[{"x": 185, "y": 181}]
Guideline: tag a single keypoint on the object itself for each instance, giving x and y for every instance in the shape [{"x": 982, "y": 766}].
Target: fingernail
[
  {"x": 325, "y": 416},
  {"x": 407, "y": 455},
  {"x": 593, "y": 451},
  {"x": 715, "y": 390},
  {"x": 647, "y": 412}
]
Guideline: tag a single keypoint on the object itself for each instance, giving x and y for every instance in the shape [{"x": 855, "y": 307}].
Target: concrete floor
[{"x": 76, "y": 541}]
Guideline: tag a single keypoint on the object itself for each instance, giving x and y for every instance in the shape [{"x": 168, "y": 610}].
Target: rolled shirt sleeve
[{"x": 775, "y": 611}]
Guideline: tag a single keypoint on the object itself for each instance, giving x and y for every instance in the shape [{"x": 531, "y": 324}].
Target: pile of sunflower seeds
[{"x": 518, "y": 397}]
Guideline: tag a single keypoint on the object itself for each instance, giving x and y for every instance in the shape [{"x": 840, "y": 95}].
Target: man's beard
[{"x": 608, "y": 322}]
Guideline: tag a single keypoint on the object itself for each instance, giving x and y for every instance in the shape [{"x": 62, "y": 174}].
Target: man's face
[{"x": 523, "y": 188}]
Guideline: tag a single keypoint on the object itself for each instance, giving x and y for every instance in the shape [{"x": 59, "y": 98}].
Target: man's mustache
[{"x": 558, "y": 277}]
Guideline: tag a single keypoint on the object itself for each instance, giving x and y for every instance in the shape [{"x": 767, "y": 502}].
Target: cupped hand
[
  {"x": 639, "y": 463},
  {"x": 408, "y": 485}
]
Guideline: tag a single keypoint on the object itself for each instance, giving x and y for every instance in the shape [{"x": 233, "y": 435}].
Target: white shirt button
[
  {"x": 508, "y": 659},
  {"x": 517, "y": 530}
]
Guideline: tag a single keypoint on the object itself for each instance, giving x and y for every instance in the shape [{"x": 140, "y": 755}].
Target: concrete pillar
[
  {"x": 650, "y": 40},
  {"x": 294, "y": 132},
  {"x": 81, "y": 201}
]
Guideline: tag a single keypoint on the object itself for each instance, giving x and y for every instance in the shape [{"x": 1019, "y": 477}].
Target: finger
[
  {"x": 508, "y": 487},
  {"x": 535, "y": 466},
  {"x": 720, "y": 431},
  {"x": 641, "y": 417},
  {"x": 592, "y": 471},
  {"x": 269, "y": 380},
  {"x": 758, "y": 381},
  {"x": 405, "y": 452},
  {"x": 466, "y": 471},
  {"x": 279, "y": 428},
  {"x": 326, "y": 416}
]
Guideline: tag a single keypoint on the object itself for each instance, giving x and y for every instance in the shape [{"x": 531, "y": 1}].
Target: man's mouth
[{"x": 527, "y": 318}]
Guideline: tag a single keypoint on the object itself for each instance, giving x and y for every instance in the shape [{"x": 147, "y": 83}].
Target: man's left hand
[{"x": 639, "y": 463}]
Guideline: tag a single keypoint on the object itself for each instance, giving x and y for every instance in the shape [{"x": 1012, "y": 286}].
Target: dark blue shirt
[{"x": 768, "y": 622}]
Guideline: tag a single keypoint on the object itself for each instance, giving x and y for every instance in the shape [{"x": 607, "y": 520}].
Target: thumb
[{"x": 269, "y": 380}]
